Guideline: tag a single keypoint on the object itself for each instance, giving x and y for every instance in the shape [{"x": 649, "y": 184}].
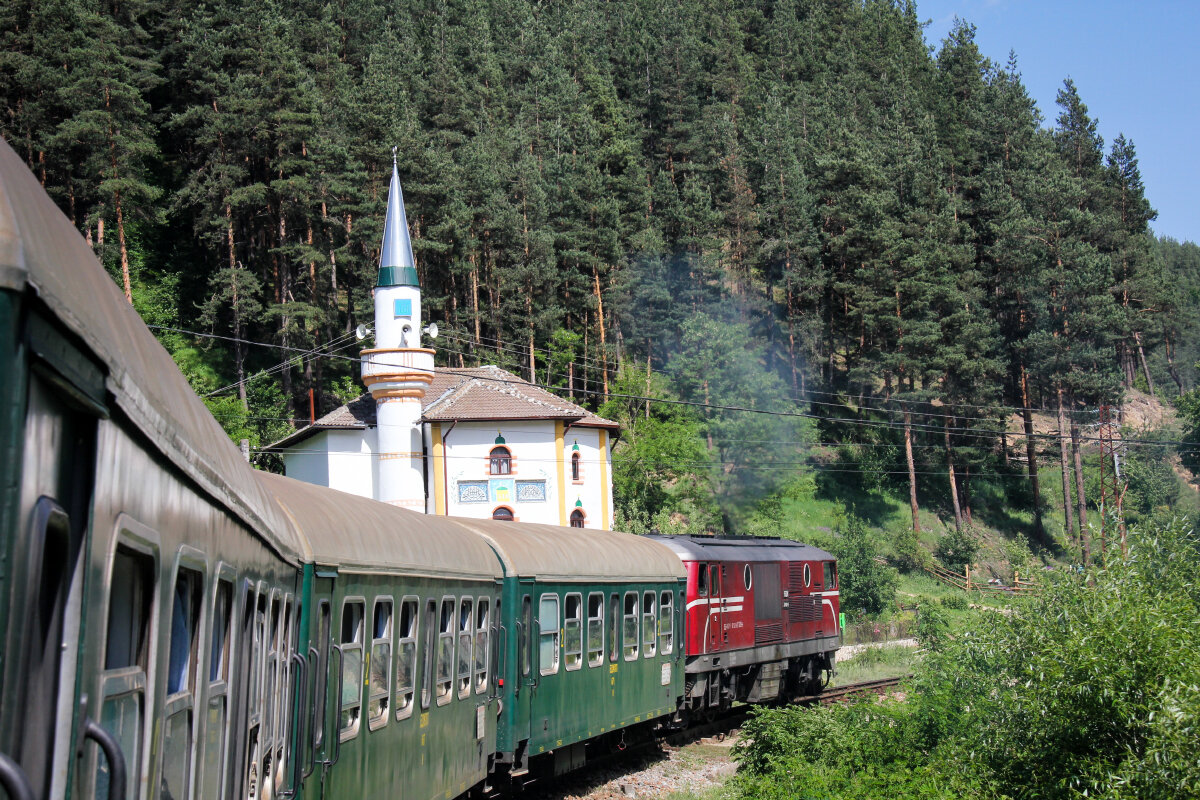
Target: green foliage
[
  {"x": 932, "y": 626},
  {"x": 865, "y": 584},
  {"x": 908, "y": 554},
  {"x": 955, "y": 602},
  {"x": 958, "y": 547},
  {"x": 1086, "y": 689}
]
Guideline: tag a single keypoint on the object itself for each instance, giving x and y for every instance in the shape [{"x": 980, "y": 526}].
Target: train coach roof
[
  {"x": 741, "y": 548},
  {"x": 551, "y": 552},
  {"x": 356, "y": 533},
  {"x": 40, "y": 249}
]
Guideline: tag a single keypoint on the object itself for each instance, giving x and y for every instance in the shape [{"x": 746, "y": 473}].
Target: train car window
[
  {"x": 595, "y": 629},
  {"x": 178, "y": 711},
  {"x": 614, "y": 621},
  {"x": 324, "y": 616},
  {"x": 714, "y": 580},
  {"x": 748, "y": 577},
  {"x": 381, "y": 664},
  {"x": 702, "y": 580},
  {"x": 649, "y": 646},
  {"x": 445, "y": 657},
  {"x": 807, "y": 576},
  {"x": 126, "y": 658},
  {"x": 466, "y": 639},
  {"x": 406, "y": 657},
  {"x": 258, "y": 620},
  {"x": 427, "y": 653},
  {"x": 630, "y": 630},
  {"x": 573, "y": 631},
  {"x": 482, "y": 631},
  {"x": 548, "y": 639},
  {"x": 218, "y": 691},
  {"x": 666, "y": 623},
  {"x": 271, "y": 681},
  {"x": 253, "y": 636},
  {"x": 523, "y": 640},
  {"x": 351, "y": 643},
  {"x": 830, "y": 576}
]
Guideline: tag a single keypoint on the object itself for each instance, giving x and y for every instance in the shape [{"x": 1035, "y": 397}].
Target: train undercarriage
[{"x": 708, "y": 692}]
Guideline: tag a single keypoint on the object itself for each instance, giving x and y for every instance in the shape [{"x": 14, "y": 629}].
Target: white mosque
[{"x": 474, "y": 442}]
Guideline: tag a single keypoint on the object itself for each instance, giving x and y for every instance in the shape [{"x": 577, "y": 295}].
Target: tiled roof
[{"x": 468, "y": 393}]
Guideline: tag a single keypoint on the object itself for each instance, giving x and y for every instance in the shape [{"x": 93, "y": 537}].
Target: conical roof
[{"x": 396, "y": 265}]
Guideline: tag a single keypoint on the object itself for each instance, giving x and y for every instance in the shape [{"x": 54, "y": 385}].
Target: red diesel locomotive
[{"x": 761, "y": 619}]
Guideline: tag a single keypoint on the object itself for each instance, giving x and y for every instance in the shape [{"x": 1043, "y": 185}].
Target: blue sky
[{"x": 1136, "y": 65}]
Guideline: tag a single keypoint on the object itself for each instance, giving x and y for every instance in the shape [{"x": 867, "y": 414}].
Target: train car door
[
  {"x": 318, "y": 751},
  {"x": 527, "y": 677},
  {"x": 716, "y": 612},
  {"x": 42, "y": 584}
]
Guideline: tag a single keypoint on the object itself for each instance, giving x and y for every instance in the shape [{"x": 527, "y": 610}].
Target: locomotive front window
[
  {"x": 666, "y": 620},
  {"x": 466, "y": 638},
  {"x": 351, "y": 643},
  {"x": 406, "y": 657},
  {"x": 830, "y": 576},
  {"x": 648, "y": 641},
  {"x": 381, "y": 663},
  {"x": 445, "y": 655},
  {"x": 630, "y": 629},
  {"x": 595, "y": 629},
  {"x": 548, "y": 643}
]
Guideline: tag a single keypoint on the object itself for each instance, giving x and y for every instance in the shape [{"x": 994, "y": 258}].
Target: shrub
[
  {"x": 958, "y": 547},
  {"x": 955, "y": 601},
  {"x": 864, "y": 583}
]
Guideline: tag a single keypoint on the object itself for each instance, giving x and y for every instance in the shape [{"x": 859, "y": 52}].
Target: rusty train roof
[
  {"x": 741, "y": 548},
  {"x": 40, "y": 250},
  {"x": 359, "y": 534},
  {"x": 555, "y": 553}
]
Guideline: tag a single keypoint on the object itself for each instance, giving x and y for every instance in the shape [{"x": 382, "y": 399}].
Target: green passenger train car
[{"x": 591, "y": 639}]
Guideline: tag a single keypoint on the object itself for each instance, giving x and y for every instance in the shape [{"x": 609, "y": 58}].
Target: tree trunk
[
  {"x": 239, "y": 353},
  {"x": 1079, "y": 488},
  {"x": 1031, "y": 458},
  {"x": 1174, "y": 373},
  {"x": 958, "y": 519},
  {"x": 1068, "y": 509},
  {"x": 600, "y": 324},
  {"x": 912, "y": 471},
  {"x": 1137, "y": 337},
  {"x": 475, "y": 299},
  {"x": 647, "y": 380},
  {"x": 529, "y": 322}
]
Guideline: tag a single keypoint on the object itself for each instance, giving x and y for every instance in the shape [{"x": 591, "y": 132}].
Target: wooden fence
[{"x": 970, "y": 583}]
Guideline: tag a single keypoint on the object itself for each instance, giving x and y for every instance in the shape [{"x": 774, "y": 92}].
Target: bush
[
  {"x": 910, "y": 555},
  {"x": 864, "y": 583},
  {"x": 958, "y": 548},
  {"x": 932, "y": 627},
  {"x": 1088, "y": 689}
]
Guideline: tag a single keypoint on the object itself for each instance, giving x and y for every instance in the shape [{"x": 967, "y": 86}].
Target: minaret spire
[
  {"x": 396, "y": 264},
  {"x": 398, "y": 369}
]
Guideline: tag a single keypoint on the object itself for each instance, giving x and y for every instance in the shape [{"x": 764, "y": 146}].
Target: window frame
[
  {"x": 568, "y": 622},
  {"x": 554, "y": 635},
  {"x": 183, "y": 700},
  {"x": 374, "y": 694},
  {"x": 666, "y": 613},
  {"x": 483, "y": 634},
  {"x": 217, "y": 683},
  {"x": 599, "y": 620},
  {"x": 447, "y": 628},
  {"x": 349, "y": 731},
  {"x": 630, "y": 652},
  {"x": 580, "y": 516},
  {"x": 500, "y": 463},
  {"x": 465, "y": 631},
  {"x": 404, "y": 710},
  {"x": 649, "y": 624}
]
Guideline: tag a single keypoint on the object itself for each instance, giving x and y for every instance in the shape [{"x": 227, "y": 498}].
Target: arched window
[
  {"x": 575, "y": 466},
  {"x": 501, "y": 461},
  {"x": 503, "y": 513},
  {"x": 577, "y": 518}
]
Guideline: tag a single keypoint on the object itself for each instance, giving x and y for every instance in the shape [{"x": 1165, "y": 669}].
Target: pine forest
[{"x": 787, "y": 244}]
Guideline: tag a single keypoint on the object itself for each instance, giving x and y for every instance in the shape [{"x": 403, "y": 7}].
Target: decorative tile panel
[
  {"x": 472, "y": 491},
  {"x": 531, "y": 491}
]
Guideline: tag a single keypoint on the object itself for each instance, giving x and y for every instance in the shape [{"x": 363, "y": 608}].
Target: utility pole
[{"x": 1112, "y": 484}]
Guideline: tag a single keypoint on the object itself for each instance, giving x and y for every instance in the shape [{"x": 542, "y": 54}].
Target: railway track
[{"x": 726, "y": 723}]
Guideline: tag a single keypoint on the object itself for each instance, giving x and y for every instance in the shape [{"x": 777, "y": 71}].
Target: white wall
[{"x": 343, "y": 460}]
